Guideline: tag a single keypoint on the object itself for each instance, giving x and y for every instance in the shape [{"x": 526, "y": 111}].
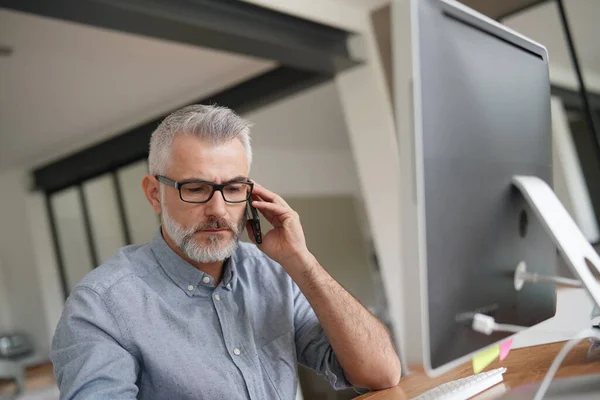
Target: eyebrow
[{"x": 239, "y": 178}]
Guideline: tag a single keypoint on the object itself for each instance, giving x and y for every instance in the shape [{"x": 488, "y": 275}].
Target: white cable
[
  {"x": 588, "y": 333},
  {"x": 533, "y": 277},
  {"x": 485, "y": 324},
  {"x": 508, "y": 328}
]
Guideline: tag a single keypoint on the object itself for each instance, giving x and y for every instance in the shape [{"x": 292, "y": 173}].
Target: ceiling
[
  {"x": 66, "y": 86},
  {"x": 368, "y": 5},
  {"x": 308, "y": 120},
  {"x": 497, "y": 9},
  {"x": 492, "y": 8},
  {"x": 542, "y": 24}
]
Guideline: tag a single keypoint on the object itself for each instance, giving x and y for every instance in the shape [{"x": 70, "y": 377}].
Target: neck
[{"x": 213, "y": 269}]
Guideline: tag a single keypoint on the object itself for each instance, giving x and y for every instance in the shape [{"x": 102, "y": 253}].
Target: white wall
[
  {"x": 22, "y": 285},
  {"x": 305, "y": 172},
  {"x": 369, "y": 115},
  {"x": 105, "y": 220},
  {"x": 301, "y": 145},
  {"x": 332, "y": 233},
  {"x": 332, "y": 228},
  {"x": 5, "y": 309},
  {"x": 45, "y": 262},
  {"x": 71, "y": 234},
  {"x": 142, "y": 220}
]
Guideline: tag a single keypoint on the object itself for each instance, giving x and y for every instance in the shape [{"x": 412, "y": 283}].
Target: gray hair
[{"x": 213, "y": 123}]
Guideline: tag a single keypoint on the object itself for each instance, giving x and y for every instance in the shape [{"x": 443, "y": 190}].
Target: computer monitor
[{"x": 481, "y": 117}]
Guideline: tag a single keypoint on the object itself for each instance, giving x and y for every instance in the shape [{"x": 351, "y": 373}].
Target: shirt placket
[{"x": 235, "y": 343}]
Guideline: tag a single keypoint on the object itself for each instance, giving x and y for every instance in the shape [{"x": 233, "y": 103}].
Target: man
[{"x": 196, "y": 315}]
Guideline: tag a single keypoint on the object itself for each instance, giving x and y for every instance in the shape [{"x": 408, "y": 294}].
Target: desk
[
  {"x": 525, "y": 365},
  {"x": 38, "y": 377}
]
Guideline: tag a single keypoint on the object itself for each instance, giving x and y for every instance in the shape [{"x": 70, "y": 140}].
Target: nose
[{"x": 216, "y": 206}]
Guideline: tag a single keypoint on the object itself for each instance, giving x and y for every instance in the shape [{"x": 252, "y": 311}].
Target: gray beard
[{"x": 217, "y": 249}]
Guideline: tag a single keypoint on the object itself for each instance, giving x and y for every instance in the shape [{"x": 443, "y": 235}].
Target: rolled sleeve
[
  {"x": 87, "y": 352},
  {"x": 313, "y": 347}
]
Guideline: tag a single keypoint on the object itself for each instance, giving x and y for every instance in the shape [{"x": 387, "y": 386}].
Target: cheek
[
  {"x": 237, "y": 214},
  {"x": 185, "y": 214}
]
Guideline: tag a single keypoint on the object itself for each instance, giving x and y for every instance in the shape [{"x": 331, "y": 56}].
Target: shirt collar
[{"x": 184, "y": 274}]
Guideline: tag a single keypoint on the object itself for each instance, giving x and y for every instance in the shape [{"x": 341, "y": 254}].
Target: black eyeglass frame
[{"x": 215, "y": 187}]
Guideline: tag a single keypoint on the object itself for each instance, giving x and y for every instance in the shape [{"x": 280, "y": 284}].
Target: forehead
[{"x": 192, "y": 157}]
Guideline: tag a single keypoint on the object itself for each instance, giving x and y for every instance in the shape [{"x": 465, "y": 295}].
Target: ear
[{"x": 151, "y": 188}]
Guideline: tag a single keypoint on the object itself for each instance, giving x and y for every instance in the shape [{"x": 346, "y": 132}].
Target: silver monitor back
[{"x": 481, "y": 116}]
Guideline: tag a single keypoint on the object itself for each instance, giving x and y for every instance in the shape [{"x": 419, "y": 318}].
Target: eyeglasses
[{"x": 202, "y": 192}]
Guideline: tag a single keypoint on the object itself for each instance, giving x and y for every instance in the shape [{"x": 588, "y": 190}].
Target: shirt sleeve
[
  {"x": 89, "y": 359},
  {"x": 312, "y": 346}
]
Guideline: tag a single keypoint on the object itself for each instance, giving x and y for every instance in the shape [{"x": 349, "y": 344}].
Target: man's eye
[{"x": 197, "y": 188}]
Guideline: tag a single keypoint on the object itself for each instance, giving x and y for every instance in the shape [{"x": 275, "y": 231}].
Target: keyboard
[{"x": 465, "y": 388}]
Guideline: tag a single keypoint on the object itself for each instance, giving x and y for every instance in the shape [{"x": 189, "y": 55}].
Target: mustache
[{"x": 220, "y": 223}]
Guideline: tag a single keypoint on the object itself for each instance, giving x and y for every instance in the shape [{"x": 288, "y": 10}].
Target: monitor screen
[{"x": 483, "y": 109}]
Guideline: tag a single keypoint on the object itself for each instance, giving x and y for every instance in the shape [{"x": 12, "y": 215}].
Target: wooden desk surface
[{"x": 524, "y": 366}]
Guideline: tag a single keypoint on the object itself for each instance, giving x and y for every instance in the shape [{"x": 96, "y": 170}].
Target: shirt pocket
[{"x": 278, "y": 360}]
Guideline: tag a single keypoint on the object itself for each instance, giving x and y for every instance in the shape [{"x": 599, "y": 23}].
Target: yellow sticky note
[{"x": 485, "y": 358}]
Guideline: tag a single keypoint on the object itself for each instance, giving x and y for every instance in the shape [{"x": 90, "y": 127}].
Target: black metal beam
[
  {"x": 583, "y": 93},
  {"x": 87, "y": 224},
  {"x": 121, "y": 207},
  {"x": 572, "y": 98},
  {"x": 57, "y": 249},
  {"x": 132, "y": 145},
  {"x": 229, "y": 25}
]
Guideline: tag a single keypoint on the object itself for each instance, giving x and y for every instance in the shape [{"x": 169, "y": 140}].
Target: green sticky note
[{"x": 485, "y": 358}]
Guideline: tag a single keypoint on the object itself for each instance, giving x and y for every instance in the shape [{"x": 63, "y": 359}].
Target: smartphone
[{"x": 255, "y": 223}]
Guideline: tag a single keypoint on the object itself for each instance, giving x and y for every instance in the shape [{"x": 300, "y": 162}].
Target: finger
[
  {"x": 269, "y": 216},
  {"x": 277, "y": 210},
  {"x": 267, "y": 195},
  {"x": 274, "y": 213}
]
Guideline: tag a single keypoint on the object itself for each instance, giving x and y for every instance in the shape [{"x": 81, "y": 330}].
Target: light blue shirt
[{"x": 149, "y": 325}]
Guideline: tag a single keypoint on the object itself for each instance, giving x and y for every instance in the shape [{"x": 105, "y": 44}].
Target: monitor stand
[
  {"x": 575, "y": 249},
  {"x": 583, "y": 261}
]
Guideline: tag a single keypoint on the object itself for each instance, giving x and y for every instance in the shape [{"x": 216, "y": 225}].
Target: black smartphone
[{"x": 255, "y": 223}]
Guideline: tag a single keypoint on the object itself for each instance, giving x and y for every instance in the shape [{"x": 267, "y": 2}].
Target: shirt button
[
  {"x": 206, "y": 279},
  {"x": 237, "y": 352},
  {"x": 190, "y": 287},
  {"x": 217, "y": 297}
]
